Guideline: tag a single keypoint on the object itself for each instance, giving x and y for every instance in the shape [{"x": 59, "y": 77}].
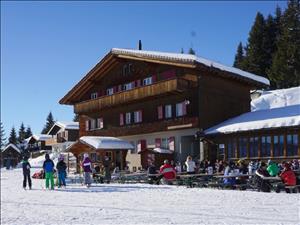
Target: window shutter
[
  {"x": 157, "y": 142},
  {"x": 87, "y": 127},
  {"x": 183, "y": 108},
  {"x": 171, "y": 141},
  {"x": 121, "y": 119},
  {"x": 160, "y": 112}
]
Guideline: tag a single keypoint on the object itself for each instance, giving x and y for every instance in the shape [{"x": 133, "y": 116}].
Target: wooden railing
[{"x": 163, "y": 87}]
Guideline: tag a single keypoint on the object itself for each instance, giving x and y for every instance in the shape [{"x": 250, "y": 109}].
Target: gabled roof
[
  {"x": 40, "y": 137},
  {"x": 183, "y": 60},
  {"x": 12, "y": 146},
  {"x": 64, "y": 125},
  {"x": 288, "y": 116}
]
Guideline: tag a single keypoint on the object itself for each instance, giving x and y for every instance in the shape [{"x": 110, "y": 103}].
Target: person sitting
[
  {"x": 167, "y": 172},
  {"x": 190, "y": 165},
  {"x": 272, "y": 169},
  {"x": 288, "y": 176},
  {"x": 152, "y": 174},
  {"x": 229, "y": 170},
  {"x": 262, "y": 184}
]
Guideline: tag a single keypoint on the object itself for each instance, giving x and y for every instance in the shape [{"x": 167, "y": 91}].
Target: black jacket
[
  {"x": 26, "y": 167},
  {"x": 61, "y": 166}
]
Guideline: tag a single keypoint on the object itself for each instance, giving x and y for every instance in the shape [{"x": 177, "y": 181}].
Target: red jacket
[
  {"x": 288, "y": 177},
  {"x": 168, "y": 171}
]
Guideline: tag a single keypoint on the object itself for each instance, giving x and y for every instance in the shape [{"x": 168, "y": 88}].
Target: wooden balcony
[{"x": 177, "y": 85}]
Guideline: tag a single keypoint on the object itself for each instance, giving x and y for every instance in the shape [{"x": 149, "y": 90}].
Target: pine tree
[
  {"x": 22, "y": 133},
  {"x": 50, "y": 122},
  {"x": 239, "y": 57},
  {"x": 13, "y": 136},
  {"x": 285, "y": 70},
  {"x": 2, "y": 136},
  {"x": 192, "y": 51},
  {"x": 76, "y": 118},
  {"x": 256, "y": 56},
  {"x": 28, "y": 132}
]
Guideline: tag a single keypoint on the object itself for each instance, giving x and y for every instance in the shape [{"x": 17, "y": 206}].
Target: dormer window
[
  {"x": 110, "y": 91},
  {"x": 147, "y": 81},
  {"x": 94, "y": 95}
]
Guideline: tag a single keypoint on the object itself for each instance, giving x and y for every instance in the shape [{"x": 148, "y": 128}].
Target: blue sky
[{"x": 47, "y": 47}]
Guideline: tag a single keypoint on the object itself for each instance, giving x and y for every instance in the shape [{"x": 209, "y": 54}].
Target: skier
[
  {"x": 87, "y": 169},
  {"x": 61, "y": 170},
  {"x": 48, "y": 167},
  {"x": 26, "y": 172}
]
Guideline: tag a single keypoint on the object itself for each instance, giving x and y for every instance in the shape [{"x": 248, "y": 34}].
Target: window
[
  {"x": 127, "y": 69},
  {"x": 121, "y": 119},
  {"x": 231, "y": 148},
  {"x": 94, "y": 95},
  {"x": 160, "y": 112},
  {"x": 147, "y": 81},
  {"x": 100, "y": 123},
  {"x": 164, "y": 143},
  {"x": 253, "y": 147},
  {"x": 138, "y": 116},
  {"x": 243, "y": 147},
  {"x": 221, "y": 151},
  {"x": 265, "y": 146},
  {"x": 128, "y": 86},
  {"x": 168, "y": 111},
  {"x": 292, "y": 145},
  {"x": 87, "y": 125},
  {"x": 278, "y": 145},
  {"x": 128, "y": 118},
  {"x": 109, "y": 155},
  {"x": 180, "y": 109},
  {"x": 98, "y": 157},
  {"x": 110, "y": 91}
]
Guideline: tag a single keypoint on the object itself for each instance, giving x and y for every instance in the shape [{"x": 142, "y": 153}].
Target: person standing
[
  {"x": 106, "y": 165},
  {"x": 61, "y": 167},
  {"x": 26, "y": 172},
  {"x": 87, "y": 169},
  {"x": 48, "y": 167},
  {"x": 190, "y": 165}
]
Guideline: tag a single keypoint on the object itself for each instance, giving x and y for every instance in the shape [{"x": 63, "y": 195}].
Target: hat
[
  {"x": 85, "y": 155},
  {"x": 166, "y": 161},
  {"x": 47, "y": 156}
]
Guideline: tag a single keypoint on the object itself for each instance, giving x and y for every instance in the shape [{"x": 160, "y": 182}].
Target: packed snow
[
  {"x": 140, "y": 204},
  {"x": 276, "y": 99},
  {"x": 188, "y": 58}
]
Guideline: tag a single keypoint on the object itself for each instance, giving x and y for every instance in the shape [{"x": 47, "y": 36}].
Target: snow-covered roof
[
  {"x": 105, "y": 142},
  {"x": 276, "y": 98},
  {"x": 262, "y": 119},
  {"x": 188, "y": 58},
  {"x": 70, "y": 125},
  {"x": 13, "y": 146},
  {"x": 41, "y": 137}
]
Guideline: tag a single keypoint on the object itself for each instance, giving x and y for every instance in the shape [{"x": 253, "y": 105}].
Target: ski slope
[{"x": 140, "y": 204}]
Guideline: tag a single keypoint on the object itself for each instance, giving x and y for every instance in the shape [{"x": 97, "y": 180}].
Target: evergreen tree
[
  {"x": 76, "y": 118},
  {"x": 192, "y": 51},
  {"x": 2, "y": 136},
  {"x": 28, "y": 132},
  {"x": 22, "y": 133},
  {"x": 285, "y": 70},
  {"x": 239, "y": 57},
  {"x": 50, "y": 122},
  {"x": 13, "y": 136},
  {"x": 256, "y": 60}
]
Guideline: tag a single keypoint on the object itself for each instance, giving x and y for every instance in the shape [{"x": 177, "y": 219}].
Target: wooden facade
[
  {"x": 122, "y": 86},
  {"x": 10, "y": 156}
]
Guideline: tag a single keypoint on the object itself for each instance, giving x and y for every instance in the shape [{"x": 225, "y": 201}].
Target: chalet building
[
  {"x": 270, "y": 131},
  {"x": 11, "y": 155},
  {"x": 63, "y": 135},
  {"x": 37, "y": 143},
  {"x": 157, "y": 100}
]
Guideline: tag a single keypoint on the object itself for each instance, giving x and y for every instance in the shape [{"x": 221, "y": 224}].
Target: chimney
[{"x": 140, "y": 45}]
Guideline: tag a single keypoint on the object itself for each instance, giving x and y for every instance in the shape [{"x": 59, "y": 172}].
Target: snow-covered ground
[{"x": 140, "y": 204}]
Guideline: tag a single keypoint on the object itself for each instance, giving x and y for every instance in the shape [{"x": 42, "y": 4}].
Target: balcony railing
[{"x": 177, "y": 85}]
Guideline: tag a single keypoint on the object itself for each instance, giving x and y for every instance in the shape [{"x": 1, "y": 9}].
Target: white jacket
[{"x": 190, "y": 166}]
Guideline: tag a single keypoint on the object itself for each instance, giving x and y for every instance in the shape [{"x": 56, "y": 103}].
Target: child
[
  {"x": 26, "y": 172},
  {"x": 48, "y": 167},
  {"x": 61, "y": 170}
]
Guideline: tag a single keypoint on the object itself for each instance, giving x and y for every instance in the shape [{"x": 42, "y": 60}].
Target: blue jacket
[{"x": 48, "y": 166}]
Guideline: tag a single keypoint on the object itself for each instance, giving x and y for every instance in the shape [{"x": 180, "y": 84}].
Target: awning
[{"x": 97, "y": 142}]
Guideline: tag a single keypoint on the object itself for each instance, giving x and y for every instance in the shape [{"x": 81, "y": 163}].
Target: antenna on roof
[{"x": 140, "y": 45}]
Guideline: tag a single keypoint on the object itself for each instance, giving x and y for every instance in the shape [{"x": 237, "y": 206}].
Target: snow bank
[
  {"x": 276, "y": 99},
  {"x": 141, "y": 204}
]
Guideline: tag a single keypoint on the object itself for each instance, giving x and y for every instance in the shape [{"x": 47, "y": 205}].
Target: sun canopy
[{"x": 97, "y": 142}]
